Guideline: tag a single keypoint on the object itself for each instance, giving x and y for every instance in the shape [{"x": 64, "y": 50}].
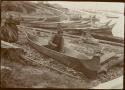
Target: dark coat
[{"x": 57, "y": 42}]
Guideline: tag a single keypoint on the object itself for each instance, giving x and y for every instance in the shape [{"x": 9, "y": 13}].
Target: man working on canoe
[{"x": 57, "y": 41}]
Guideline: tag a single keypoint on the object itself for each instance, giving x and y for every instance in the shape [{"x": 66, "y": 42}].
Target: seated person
[{"x": 57, "y": 42}]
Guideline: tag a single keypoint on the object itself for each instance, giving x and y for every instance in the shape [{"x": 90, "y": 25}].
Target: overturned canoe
[{"x": 71, "y": 58}]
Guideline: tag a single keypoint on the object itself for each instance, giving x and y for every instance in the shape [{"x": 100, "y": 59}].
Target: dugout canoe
[
  {"x": 104, "y": 30},
  {"x": 88, "y": 65},
  {"x": 53, "y": 25},
  {"x": 71, "y": 58}
]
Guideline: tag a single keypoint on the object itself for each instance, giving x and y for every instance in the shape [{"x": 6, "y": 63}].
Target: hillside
[{"x": 26, "y": 7}]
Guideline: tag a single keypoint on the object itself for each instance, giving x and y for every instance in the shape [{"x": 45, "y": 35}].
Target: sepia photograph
[{"x": 62, "y": 44}]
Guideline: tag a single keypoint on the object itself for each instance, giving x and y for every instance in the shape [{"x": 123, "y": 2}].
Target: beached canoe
[
  {"x": 88, "y": 65},
  {"x": 53, "y": 25},
  {"x": 71, "y": 58}
]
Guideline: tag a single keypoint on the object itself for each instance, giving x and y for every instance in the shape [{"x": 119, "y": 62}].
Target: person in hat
[{"x": 57, "y": 41}]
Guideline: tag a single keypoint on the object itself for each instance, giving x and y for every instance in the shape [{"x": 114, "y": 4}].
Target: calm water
[{"x": 118, "y": 29}]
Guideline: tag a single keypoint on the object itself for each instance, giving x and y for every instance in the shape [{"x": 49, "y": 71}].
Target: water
[{"x": 118, "y": 29}]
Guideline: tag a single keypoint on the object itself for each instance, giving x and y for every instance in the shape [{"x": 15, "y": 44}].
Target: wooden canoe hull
[
  {"x": 88, "y": 67},
  {"x": 53, "y": 25}
]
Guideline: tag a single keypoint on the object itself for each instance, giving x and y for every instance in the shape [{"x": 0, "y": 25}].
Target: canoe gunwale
[{"x": 89, "y": 67}]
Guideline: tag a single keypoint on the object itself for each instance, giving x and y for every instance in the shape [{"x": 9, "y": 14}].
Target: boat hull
[{"x": 70, "y": 59}]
